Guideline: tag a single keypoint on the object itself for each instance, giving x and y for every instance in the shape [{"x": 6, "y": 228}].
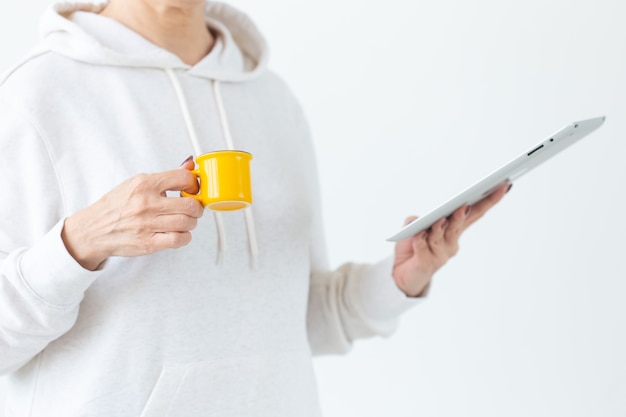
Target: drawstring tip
[
  {"x": 254, "y": 247},
  {"x": 221, "y": 237}
]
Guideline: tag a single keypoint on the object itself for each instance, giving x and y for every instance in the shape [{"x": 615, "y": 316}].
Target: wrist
[
  {"x": 80, "y": 244},
  {"x": 421, "y": 292},
  {"x": 415, "y": 288}
]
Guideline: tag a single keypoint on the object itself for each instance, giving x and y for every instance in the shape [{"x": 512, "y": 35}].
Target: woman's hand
[
  {"x": 418, "y": 258},
  {"x": 135, "y": 218}
]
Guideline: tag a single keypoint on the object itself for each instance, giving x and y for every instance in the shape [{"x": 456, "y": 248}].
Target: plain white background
[{"x": 409, "y": 101}]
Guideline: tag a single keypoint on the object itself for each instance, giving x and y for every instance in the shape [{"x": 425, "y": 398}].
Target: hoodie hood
[
  {"x": 79, "y": 32},
  {"x": 240, "y": 52}
]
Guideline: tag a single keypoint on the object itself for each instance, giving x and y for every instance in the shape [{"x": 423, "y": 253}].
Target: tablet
[{"x": 507, "y": 174}]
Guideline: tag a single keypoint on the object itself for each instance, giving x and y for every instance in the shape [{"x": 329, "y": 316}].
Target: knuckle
[
  {"x": 183, "y": 177},
  {"x": 139, "y": 181},
  {"x": 182, "y": 223},
  {"x": 139, "y": 205},
  {"x": 194, "y": 207},
  {"x": 188, "y": 176},
  {"x": 177, "y": 240},
  {"x": 138, "y": 197},
  {"x": 148, "y": 245},
  {"x": 172, "y": 240},
  {"x": 158, "y": 241},
  {"x": 190, "y": 205},
  {"x": 455, "y": 232},
  {"x": 140, "y": 230},
  {"x": 178, "y": 223},
  {"x": 436, "y": 239}
]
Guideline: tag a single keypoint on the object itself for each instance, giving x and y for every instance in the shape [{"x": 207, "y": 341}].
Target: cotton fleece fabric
[{"x": 174, "y": 333}]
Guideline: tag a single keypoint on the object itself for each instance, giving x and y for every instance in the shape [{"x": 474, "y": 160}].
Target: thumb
[
  {"x": 410, "y": 219},
  {"x": 405, "y": 247}
]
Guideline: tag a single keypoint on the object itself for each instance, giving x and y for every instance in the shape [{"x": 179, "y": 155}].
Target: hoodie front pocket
[{"x": 278, "y": 385}]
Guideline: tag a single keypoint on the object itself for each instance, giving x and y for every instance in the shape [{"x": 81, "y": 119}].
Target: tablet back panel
[{"x": 506, "y": 174}]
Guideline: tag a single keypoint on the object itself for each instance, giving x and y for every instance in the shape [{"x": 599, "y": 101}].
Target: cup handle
[{"x": 195, "y": 172}]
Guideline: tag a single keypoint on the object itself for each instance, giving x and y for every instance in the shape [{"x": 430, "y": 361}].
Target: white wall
[{"x": 410, "y": 101}]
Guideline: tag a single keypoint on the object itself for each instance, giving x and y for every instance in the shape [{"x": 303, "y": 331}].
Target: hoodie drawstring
[
  {"x": 193, "y": 137},
  {"x": 252, "y": 240}
]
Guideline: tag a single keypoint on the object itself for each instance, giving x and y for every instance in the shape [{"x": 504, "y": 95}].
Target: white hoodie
[{"x": 175, "y": 333}]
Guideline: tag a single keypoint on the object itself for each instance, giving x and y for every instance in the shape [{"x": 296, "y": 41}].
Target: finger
[
  {"x": 480, "y": 208},
  {"x": 436, "y": 236},
  {"x": 171, "y": 240},
  {"x": 188, "y": 163},
  {"x": 185, "y": 206},
  {"x": 420, "y": 243},
  {"x": 404, "y": 247},
  {"x": 176, "y": 180},
  {"x": 409, "y": 219},
  {"x": 174, "y": 223},
  {"x": 457, "y": 223}
]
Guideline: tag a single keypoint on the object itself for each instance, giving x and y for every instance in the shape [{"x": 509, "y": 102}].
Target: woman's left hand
[{"x": 418, "y": 258}]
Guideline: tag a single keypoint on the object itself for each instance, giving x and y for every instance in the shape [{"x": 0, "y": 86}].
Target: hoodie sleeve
[
  {"x": 355, "y": 301},
  {"x": 41, "y": 285}
]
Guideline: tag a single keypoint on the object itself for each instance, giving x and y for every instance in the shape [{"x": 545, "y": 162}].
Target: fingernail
[
  {"x": 509, "y": 189},
  {"x": 468, "y": 210},
  {"x": 444, "y": 226},
  {"x": 187, "y": 160}
]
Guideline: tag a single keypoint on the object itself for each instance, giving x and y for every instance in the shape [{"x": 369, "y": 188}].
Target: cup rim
[
  {"x": 235, "y": 151},
  {"x": 245, "y": 204}
]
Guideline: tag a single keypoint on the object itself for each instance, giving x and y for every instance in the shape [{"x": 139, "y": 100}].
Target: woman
[{"x": 107, "y": 307}]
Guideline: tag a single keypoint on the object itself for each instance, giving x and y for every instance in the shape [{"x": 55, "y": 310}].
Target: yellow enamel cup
[{"x": 224, "y": 178}]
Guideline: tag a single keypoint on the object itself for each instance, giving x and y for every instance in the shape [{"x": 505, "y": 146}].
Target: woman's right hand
[{"x": 135, "y": 218}]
